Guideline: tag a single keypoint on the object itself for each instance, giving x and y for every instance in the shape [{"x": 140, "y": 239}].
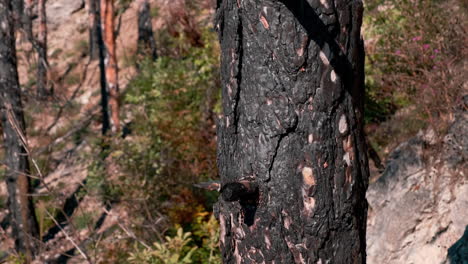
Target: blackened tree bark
[
  {"x": 93, "y": 24},
  {"x": 146, "y": 43},
  {"x": 27, "y": 20},
  {"x": 18, "y": 12},
  {"x": 44, "y": 86},
  {"x": 24, "y": 224},
  {"x": 108, "y": 60},
  {"x": 291, "y": 151}
]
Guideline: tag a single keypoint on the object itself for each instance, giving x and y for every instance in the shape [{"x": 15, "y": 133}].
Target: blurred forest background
[{"x": 128, "y": 197}]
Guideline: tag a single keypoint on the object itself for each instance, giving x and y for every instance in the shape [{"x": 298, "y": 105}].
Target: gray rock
[
  {"x": 59, "y": 11},
  {"x": 418, "y": 208}
]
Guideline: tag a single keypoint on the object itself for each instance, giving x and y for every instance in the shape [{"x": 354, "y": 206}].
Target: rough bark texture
[
  {"x": 146, "y": 43},
  {"x": 44, "y": 87},
  {"x": 110, "y": 63},
  {"x": 292, "y": 74},
  {"x": 18, "y": 10},
  {"x": 24, "y": 224},
  {"x": 93, "y": 24}
]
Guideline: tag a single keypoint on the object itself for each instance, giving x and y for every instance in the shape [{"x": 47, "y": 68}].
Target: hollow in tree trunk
[
  {"x": 23, "y": 219},
  {"x": 291, "y": 151}
]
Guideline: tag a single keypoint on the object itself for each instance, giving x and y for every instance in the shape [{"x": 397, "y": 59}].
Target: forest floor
[{"x": 73, "y": 113}]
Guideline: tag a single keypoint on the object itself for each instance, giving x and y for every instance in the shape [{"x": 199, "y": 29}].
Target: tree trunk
[
  {"x": 111, "y": 91},
  {"x": 24, "y": 224},
  {"x": 18, "y": 13},
  {"x": 27, "y": 20},
  {"x": 93, "y": 24},
  {"x": 146, "y": 43},
  {"x": 44, "y": 88},
  {"x": 291, "y": 151}
]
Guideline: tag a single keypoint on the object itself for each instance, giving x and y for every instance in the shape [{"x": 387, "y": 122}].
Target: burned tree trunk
[
  {"x": 18, "y": 13},
  {"x": 44, "y": 87},
  {"x": 93, "y": 24},
  {"x": 27, "y": 20},
  {"x": 24, "y": 224},
  {"x": 291, "y": 151},
  {"x": 110, "y": 89},
  {"x": 146, "y": 43}
]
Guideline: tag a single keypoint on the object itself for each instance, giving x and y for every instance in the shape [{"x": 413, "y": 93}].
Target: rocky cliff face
[{"x": 418, "y": 208}]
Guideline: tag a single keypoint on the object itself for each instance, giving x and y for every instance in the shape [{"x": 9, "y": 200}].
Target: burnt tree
[
  {"x": 23, "y": 219},
  {"x": 291, "y": 151},
  {"x": 18, "y": 12},
  {"x": 146, "y": 43},
  {"x": 27, "y": 20},
  {"x": 109, "y": 70},
  {"x": 44, "y": 87},
  {"x": 94, "y": 28}
]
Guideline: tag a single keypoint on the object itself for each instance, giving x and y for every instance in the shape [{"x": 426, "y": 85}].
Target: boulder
[{"x": 418, "y": 207}]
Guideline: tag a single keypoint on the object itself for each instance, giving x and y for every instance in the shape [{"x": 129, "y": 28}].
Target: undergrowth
[{"x": 414, "y": 68}]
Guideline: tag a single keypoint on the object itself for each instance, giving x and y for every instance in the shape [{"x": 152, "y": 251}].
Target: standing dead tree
[
  {"x": 146, "y": 43},
  {"x": 44, "y": 86},
  {"x": 108, "y": 61},
  {"x": 93, "y": 25},
  {"x": 23, "y": 219},
  {"x": 291, "y": 150}
]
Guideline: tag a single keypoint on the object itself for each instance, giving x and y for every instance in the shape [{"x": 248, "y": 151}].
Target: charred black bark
[
  {"x": 27, "y": 21},
  {"x": 94, "y": 28},
  {"x": 44, "y": 86},
  {"x": 23, "y": 220},
  {"x": 18, "y": 13},
  {"x": 105, "y": 119},
  {"x": 146, "y": 43},
  {"x": 292, "y": 74}
]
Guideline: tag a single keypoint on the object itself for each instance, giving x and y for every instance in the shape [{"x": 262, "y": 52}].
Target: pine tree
[
  {"x": 108, "y": 58},
  {"x": 291, "y": 151}
]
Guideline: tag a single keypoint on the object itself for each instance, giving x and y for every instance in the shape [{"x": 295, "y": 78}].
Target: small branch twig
[{"x": 82, "y": 253}]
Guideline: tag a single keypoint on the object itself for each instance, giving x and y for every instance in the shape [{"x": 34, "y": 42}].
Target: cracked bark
[
  {"x": 292, "y": 74},
  {"x": 24, "y": 224}
]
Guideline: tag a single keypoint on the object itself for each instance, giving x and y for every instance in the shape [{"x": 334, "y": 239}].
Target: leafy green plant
[
  {"x": 207, "y": 232},
  {"x": 414, "y": 52},
  {"x": 174, "y": 250}
]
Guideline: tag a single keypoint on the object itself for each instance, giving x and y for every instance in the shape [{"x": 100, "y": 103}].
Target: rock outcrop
[{"x": 418, "y": 208}]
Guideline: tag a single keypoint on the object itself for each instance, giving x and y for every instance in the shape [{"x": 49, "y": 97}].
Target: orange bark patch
[
  {"x": 308, "y": 176},
  {"x": 348, "y": 174},
  {"x": 107, "y": 20},
  {"x": 264, "y": 22}
]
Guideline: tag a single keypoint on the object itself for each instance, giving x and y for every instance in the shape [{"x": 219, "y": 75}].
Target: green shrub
[
  {"x": 198, "y": 246},
  {"x": 174, "y": 250},
  {"x": 414, "y": 53}
]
